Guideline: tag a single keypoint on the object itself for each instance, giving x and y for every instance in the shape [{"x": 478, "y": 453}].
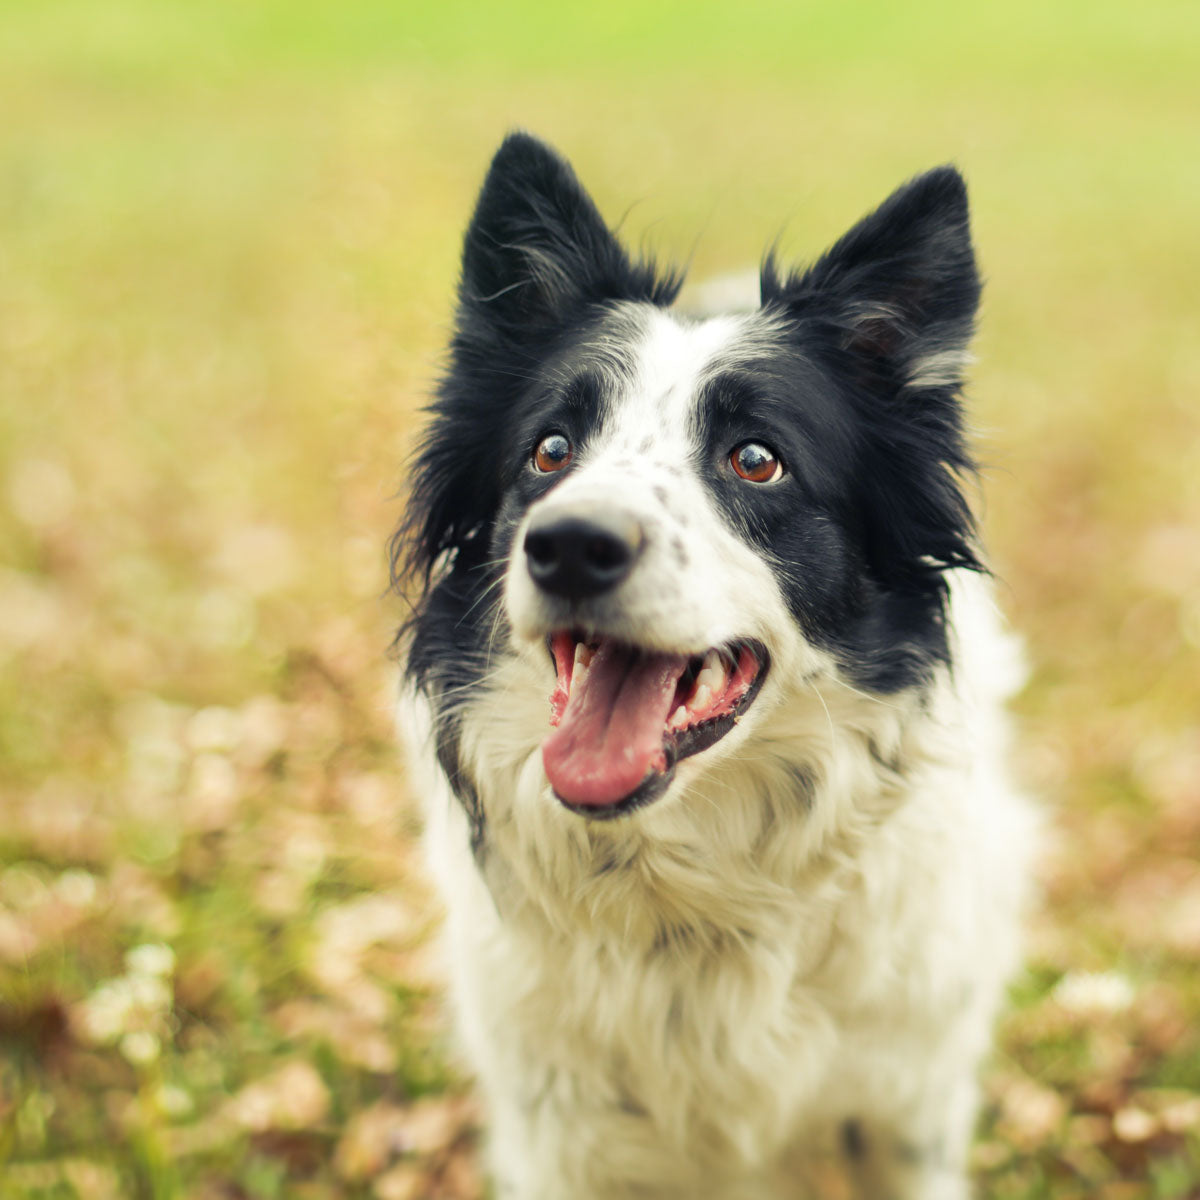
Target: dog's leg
[
  {"x": 921, "y": 1159},
  {"x": 547, "y": 1148},
  {"x": 548, "y": 1144}
]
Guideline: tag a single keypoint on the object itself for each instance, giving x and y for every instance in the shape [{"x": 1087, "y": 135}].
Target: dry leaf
[
  {"x": 292, "y": 1097},
  {"x": 1030, "y": 1113},
  {"x": 372, "y": 1140},
  {"x": 405, "y": 1181},
  {"x": 1134, "y": 1124}
]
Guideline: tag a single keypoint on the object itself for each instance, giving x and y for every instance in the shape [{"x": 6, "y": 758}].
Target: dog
[{"x": 703, "y": 693}]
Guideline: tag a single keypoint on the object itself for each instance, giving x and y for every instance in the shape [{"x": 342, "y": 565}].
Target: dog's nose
[{"x": 580, "y": 557}]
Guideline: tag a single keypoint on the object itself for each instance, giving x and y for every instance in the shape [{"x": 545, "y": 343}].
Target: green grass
[{"x": 228, "y": 235}]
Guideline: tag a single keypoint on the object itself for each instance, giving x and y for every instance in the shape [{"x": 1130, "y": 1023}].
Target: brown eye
[
  {"x": 553, "y": 453},
  {"x": 755, "y": 462}
]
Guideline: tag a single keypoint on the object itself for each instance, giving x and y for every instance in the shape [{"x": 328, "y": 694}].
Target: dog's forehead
[{"x": 670, "y": 361}]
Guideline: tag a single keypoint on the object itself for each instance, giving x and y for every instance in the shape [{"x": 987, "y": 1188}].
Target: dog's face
[{"x": 689, "y": 521}]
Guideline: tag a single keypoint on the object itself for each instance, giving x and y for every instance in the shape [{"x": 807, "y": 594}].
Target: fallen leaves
[
  {"x": 246, "y": 997},
  {"x": 376, "y": 1137},
  {"x": 1030, "y": 1114},
  {"x": 293, "y": 1096}
]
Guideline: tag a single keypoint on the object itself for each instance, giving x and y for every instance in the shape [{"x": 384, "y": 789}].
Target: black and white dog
[{"x": 703, "y": 696}]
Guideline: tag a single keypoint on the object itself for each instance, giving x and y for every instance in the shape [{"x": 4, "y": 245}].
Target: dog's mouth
[{"x": 624, "y": 716}]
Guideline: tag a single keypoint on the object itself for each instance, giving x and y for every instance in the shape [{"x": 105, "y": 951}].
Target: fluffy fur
[{"x": 793, "y": 945}]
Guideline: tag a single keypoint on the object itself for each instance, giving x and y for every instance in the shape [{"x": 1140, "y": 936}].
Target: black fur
[
  {"x": 539, "y": 266},
  {"x": 872, "y": 512}
]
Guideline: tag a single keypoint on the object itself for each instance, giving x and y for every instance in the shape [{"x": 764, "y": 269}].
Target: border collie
[{"x": 703, "y": 695}]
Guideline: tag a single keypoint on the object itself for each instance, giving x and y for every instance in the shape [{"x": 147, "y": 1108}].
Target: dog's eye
[
  {"x": 755, "y": 462},
  {"x": 553, "y": 453}
]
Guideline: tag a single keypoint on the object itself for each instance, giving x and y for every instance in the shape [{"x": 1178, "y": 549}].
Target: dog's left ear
[
  {"x": 896, "y": 295},
  {"x": 890, "y": 310}
]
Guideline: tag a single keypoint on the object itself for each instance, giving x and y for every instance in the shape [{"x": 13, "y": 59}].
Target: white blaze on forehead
[{"x": 671, "y": 362}]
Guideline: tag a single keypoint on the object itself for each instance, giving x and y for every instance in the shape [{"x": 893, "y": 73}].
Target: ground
[{"x": 228, "y": 236}]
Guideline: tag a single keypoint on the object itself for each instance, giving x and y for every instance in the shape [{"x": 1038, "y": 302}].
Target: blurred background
[{"x": 228, "y": 242}]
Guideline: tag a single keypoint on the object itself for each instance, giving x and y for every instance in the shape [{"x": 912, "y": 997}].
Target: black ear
[
  {"x": 536, "y": 257},
  {"x": 898, "y": 293},
  {"x": 890, "y": 309},
  {"x": 537, "y": 250}
]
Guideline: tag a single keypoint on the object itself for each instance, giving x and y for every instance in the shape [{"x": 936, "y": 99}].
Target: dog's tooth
[
  {"x": 679, "y": 718},
  {"x": 712, "y": 674},
  {"x": 701, "y": 698},
  {"x": 583, "y": 658}
]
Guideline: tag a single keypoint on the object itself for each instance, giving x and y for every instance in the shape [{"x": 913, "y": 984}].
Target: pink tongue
[{"x": 611, "y": 734}]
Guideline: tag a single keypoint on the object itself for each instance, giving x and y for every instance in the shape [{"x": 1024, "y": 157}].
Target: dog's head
[{"x": 687, "y": 521}]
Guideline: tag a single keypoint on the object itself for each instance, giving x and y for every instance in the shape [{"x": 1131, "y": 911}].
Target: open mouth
[{"x": 623, "y": 716}]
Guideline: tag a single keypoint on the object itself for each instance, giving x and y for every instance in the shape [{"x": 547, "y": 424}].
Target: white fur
[{"x": 812, "y": 927}]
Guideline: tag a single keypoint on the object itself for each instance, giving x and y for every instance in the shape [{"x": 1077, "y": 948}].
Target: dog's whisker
[
  {"x": 486, "y": 595},
  {"x": 837, "y": 679},
  {"x": 828, "y": 715}
]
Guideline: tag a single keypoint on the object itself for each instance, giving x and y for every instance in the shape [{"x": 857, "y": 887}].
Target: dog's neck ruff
[{"x": 728, "y": 852}]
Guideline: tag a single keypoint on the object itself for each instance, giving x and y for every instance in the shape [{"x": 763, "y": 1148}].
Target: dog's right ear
[
  {"x": 537, "y": 255},
  {"x": 537, "y": 251}
]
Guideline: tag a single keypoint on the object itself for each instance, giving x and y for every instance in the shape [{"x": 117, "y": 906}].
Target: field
[{"x": 228, "y": 239}]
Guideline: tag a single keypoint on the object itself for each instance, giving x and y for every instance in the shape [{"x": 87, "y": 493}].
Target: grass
[{"x": 227, "y": 243}]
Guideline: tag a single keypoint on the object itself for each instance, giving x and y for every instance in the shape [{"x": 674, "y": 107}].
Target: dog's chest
[{"x": 688, "y": 1032}]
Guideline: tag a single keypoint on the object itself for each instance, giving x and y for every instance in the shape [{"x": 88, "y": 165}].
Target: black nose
[{"x": 581, "y": 557}]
